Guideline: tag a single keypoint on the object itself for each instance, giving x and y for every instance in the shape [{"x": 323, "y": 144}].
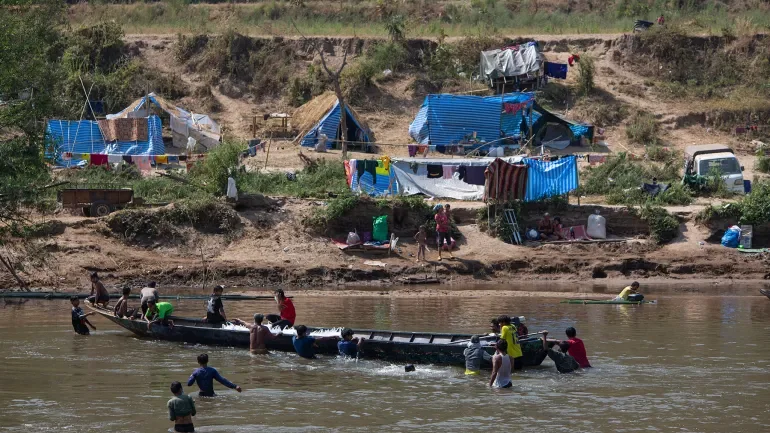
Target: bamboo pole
[{"x": 269, "y": 142}]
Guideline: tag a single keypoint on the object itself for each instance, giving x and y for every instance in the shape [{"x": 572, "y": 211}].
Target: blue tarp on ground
[
  {"x": 84, "y": 136},
  {"x": 329, "y": 125},
  {"x": 546, "y": 179},
  {"x": 448, "y": 119}
]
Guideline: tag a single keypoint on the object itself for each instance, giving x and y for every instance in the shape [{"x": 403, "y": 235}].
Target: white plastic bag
[
  {"x": 353, "y": 238},
  {"x": 597, "y": 227}
]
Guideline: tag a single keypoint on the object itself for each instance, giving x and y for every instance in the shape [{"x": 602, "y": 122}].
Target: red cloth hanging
[
  {"x": 505, "y": 181},
  {"x": 98, "y": 159}
]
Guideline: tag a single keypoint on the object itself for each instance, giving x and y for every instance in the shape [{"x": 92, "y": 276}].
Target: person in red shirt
[
  {"x": 577, "y": 349},
  {"x": 287, "y": 315},
  {"x": 442, "y": 230}
]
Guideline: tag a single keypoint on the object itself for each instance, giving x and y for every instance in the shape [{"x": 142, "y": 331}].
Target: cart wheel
[
  {"x": 100, "y": 209},
  {"x": 87, "y": 211}
]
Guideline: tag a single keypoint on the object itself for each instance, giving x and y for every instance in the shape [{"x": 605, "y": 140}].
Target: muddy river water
[{"x": 689, "y": 364}]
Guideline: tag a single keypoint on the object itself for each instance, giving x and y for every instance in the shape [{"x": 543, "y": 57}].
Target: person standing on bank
[{"x": 442, "y": 231}]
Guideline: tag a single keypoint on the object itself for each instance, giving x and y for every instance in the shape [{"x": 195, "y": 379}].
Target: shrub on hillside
[
  {"x": 642, "y": 128},
  {"x": 586, "y": 72},
  {"x": 763, "y": 162},
  {"x": 664, "y": 227}
]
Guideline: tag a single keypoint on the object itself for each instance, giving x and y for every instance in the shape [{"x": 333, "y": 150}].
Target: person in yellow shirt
[
  {"x": 508, "y": 333},
  {"x": 630, "y": 293}
]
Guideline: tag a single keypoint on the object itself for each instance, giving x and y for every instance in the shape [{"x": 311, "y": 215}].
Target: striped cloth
[
  {"x": 546, "y": 179},
  {"x": 505, "y": 181}
]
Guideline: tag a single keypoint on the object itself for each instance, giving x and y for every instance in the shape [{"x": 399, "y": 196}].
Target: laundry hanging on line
[
  {"x": 505, "y": 181},
  {"x": 556, "y": 70}
]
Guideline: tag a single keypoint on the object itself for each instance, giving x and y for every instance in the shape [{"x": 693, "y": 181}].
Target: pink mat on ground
[{"x": 575, "y": 233}]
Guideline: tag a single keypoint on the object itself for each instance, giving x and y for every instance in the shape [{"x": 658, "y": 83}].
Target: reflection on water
[{"x": 688, "y": 364}]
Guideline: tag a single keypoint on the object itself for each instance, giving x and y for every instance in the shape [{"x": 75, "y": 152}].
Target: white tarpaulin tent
[
  {"x": 411, "y": 174},
  {"x": 184, "y": 124},
  {"x": 511, "y": 61}
]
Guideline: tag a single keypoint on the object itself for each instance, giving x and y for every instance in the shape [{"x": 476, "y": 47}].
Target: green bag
[{"x": 380, "y": 228}]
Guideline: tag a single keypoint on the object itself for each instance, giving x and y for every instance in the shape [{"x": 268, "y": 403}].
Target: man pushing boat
[
  {"x": 630, "y": 293},
  {"x": 260, "y": 334}
]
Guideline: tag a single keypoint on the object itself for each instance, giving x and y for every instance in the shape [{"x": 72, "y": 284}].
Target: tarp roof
[{"x": 321, "y": 115}]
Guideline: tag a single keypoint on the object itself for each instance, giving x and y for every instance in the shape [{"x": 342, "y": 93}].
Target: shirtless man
[
  {"x": 99, "y": 294},
  {"x": 260, "y": 334}
]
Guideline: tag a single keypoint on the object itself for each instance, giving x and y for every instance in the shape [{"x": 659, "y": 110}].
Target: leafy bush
[
  {"x": 642, "y": 128},
  {"x": 390, "y": 55},
  {"x": 318, "y": 181},
  {"x": 763, "y": 162},
  {"x": 213, "y": 171},
  {"x": 752, "y": 209},
  {"x": 664, "y": 227},
  {"x": 334, "y": 209}
]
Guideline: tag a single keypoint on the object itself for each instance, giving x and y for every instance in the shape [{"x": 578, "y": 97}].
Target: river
[{"x": 688, "y": 364}]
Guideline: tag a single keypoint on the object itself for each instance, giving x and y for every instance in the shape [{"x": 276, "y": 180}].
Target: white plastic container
[{"x": 597, "y": 227}]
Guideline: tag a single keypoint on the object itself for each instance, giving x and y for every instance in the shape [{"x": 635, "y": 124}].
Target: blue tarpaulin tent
[
  {"x": 451, "y": 119},
  {"x": 329, "y": 125},
  {"x": 84, "y": 136}
]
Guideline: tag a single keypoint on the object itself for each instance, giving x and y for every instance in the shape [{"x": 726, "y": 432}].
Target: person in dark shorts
[
  {"x": 79, "y": 318},
  {"x": 443, "y": 231},
  {"x": 121, "y": 308},
  {"x": 287, "y": 314},
  {"x": 149, "y": 292},
  {"x": 564, "y": 362},
  {"x": 204, "y": 376},
  {"x": 181, "y": 409},
  {"x": 215, "y": 310},
  {"x": 99, "y": 293}
]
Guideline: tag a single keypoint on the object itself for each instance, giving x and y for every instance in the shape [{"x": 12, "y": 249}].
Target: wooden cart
[{"x": 97, "y": 202}]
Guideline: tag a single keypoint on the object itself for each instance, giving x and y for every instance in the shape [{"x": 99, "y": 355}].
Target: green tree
[{"x": 396, "y": 27}]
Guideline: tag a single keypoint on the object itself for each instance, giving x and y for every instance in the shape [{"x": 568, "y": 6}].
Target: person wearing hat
[
  {"x": 630, "y": 293},
  {"x": 474, "y": 355},
  {"x": 215, "y": 310},
  {"x": 521, "y": 328},
  {"x": 546, "y": 227},
  {"x": 349, "y": 346}
]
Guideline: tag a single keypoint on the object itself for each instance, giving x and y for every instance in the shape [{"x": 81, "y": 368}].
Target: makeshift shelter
[
  {"x": 321, "y": 115},
  {"x": 447, "y": 120},
  {"x": 512, "y": 66},
  {"x": 87, "y": 137},
  {"x": 183, "y": 124}
]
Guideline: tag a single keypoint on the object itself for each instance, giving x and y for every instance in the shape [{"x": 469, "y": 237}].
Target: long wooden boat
[
  {"x": 59, "y": 295},
  {"x": 392, "y": 346},
  {"x": 606, "y": 301},
  {"x": 765, "y": 292}
]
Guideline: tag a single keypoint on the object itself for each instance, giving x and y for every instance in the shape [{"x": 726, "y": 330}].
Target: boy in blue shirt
[
  {"x": 349, "y": 346},
  {"x": 205, "y": 375},
  {"x": 304, "y": 344},
  {"x": 79, "y": 318}
]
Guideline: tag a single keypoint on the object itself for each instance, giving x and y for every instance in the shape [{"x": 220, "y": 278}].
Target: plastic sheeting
[
  {"x": 184, "y": 124},
  {"x": 84, "y": 136},
  {"x": 449, "y": 119},
  {"x": 411, "y": 183},
  {"x": 382, "y": 187},
  {"x": 329, "y": 126},
  {"x": 546, "y": 179},
  {"x": 509, "y": 62}
]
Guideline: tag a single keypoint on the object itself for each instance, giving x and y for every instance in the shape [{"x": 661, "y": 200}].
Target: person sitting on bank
[
  {"x": 546, "y": 228},
  {"x": 474, "y": 355},
  {"x": 121, "y": 308},
  {"x": 181, "y": 409},
  {"x": 286, "y": 312},
  {"x": 509, "y": 334},
  {"x": 576, "y": 349},
  {"x": 79, "y": 318},
  {"x": 99, "y": 294},
  {"x": 501, "y": 366},
  {"x": 304, "y": 344},
  {"x": 557, "y": 228},
  {"x": 259, "y": 334},
  {"x": 564, "y": 362},
  {"x": 159, "y": 312},
  {"x": 204, "y": 376},
  {"x": 630, "y": 293},
  {"x": 147, "y": 293},
  {"x": 215, "y": 310},
  {"x": 349, "y": 346},
  {"x": 521, "y": 328}
]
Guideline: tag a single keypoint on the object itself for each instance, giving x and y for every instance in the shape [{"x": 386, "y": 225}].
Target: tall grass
[
  {"x": 318, "y": 182},
  {"x": 361, "y": 18}
]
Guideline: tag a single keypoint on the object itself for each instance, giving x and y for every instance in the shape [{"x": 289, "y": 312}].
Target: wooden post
[{"x": 269, "y": 142}]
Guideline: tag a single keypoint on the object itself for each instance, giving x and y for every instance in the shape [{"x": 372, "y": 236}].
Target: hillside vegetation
[{"x": 426, "y": 18}]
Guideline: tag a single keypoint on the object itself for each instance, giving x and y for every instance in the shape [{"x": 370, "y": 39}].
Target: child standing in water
[
  {"x": 79, "y": 319},
  {"x": 181, "y": 409},
  {"x": 422, "y": 243}
]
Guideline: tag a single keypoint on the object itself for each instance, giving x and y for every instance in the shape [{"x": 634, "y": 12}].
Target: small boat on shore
[
  {"x": 605, "y": 301},
  {"x": 765, "y": 292},
  {"x": 391, "y": 346}
]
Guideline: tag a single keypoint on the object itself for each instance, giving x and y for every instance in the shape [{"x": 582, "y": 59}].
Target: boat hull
[
  {"x": 609, "y": 301},
  {"x": 391, "y": 346}
]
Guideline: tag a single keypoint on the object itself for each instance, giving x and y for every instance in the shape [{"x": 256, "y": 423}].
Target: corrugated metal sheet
[
  {"x": 84, "y": 136},
  {"x": 329, "y": 125},
  {"x": 546, "y": 179},
  {"x": 447, "y": 119}
]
